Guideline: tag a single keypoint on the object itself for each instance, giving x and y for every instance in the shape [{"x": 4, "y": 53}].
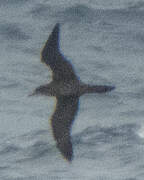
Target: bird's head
[{"x": 41, "y": 90}]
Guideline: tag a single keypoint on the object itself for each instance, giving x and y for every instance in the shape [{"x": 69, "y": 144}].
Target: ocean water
[{"x": 104, "y": 40}]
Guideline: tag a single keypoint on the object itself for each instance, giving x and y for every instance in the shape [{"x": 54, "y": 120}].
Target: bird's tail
[{"x": 99, "y": 89}]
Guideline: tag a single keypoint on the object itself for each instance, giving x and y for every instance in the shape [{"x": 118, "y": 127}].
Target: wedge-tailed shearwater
[{"x": 67, "y": 88}]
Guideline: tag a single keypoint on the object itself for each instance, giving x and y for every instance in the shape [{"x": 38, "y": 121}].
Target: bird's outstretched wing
[
  {"x": 51, "y": 56},
  {"x": 61, "y": 122}
]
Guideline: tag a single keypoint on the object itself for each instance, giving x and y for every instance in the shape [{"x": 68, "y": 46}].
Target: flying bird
[{"x": 67, "y": 88}]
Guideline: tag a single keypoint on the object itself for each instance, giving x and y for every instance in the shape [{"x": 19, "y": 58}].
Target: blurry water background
[{"x": 104, "y": 40}]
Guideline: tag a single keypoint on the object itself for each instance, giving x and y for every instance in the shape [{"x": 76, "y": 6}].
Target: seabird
[{"x": 67, "y": 88}]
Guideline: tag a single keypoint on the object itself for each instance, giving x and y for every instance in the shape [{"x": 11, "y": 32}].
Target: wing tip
[
  {"x": 65, "y": 147},
  {"x": 56, "y": 27},
  {"x": 51, "y": 43},
  {"x": 68, "y": 157},
  {"x": 55, "y": 32}
]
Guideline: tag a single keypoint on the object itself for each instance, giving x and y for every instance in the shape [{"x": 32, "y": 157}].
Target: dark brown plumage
[{"x": 67, "y": 88}]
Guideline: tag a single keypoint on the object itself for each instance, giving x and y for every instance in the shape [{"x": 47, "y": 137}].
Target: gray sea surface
[{"x": 104, "y": 40}]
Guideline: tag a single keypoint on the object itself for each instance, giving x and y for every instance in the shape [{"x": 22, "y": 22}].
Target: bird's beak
[{"x": 32, "y": 94}]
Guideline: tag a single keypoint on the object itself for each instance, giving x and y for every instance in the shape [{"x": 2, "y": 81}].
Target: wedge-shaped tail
[{"x": 99, "y": 89}]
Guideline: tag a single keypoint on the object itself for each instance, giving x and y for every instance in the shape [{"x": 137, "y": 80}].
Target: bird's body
[
  {"x": 67, "y": 88},
  {"x": 61, "y": 89},
  {"x": 71, "y": 88}
]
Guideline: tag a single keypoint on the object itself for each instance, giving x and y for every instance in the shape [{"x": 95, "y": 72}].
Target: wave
[
  {"x": 12, "y": 3},
  {"x": 33, "y": 145},
  {"x": 95, "y": 135},
  {"x": 11, "y": 31},
  {"x": 9, "y": 149},
  {"x": 41, "y": 11},
  {"x": 136, "y": 5},
  {"x": 120, "y": 145}
]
